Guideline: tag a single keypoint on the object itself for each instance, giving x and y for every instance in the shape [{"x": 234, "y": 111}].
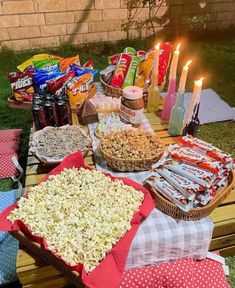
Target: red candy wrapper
[
  {"x": 121, "y": 70},
  {"x": 21, "y": 85},
  {"x": 56, "y": 86},
  {"x": 195, "y": 157},
  {"x": 207, "y": 148}
]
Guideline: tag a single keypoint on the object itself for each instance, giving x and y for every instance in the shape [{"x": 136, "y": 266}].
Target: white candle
[
  {"x": 174, "y": 63},
  {"x": 195, "y": 99},
  {"x": 183, "y": 77},
  {"x": 156, "y": 65}
]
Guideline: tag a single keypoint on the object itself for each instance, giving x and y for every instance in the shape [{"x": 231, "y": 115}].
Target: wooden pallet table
[{"x": 34, "y": 273}]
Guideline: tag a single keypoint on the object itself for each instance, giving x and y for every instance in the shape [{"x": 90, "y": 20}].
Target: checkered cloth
[{"x": 159, "y": 238}]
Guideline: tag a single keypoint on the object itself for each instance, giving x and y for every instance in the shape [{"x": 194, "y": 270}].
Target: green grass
[{"x": 213, "y": 57}]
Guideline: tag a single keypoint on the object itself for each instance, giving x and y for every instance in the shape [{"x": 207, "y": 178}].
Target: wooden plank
[
  {"x": 31, "y": 160},
  {"x": 224, "y": 220},
  {"x": 230, "y": 199},
  {"x": 56, "y": 282},
  {"x": 229, "y": 251},
  {"x": 222, "y": 242},
  {"x": 32, "y": 180}
]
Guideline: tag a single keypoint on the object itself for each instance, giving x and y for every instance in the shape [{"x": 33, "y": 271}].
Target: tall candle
[
  {"x": 195, "y": 99},
  {"x": 183, "y": 77},
  {"x": 174, "y": 63},
  {"x": 156, "y": 65}
]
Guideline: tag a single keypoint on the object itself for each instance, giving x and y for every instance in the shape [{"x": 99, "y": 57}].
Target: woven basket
[
  {"x": 195, "y": 213},
  {"x": 48, "y": 257},
  {"x": 13, "y": 103},
  {"x": 128, "y": 165},
  {"x": 110, "y": 90}
]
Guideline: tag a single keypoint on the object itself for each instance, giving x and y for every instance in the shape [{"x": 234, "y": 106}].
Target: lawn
[{"x": 213, "y": 57}]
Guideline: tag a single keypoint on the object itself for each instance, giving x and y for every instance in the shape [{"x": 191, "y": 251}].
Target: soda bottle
[
  {"x": 177, "y": 116},
  {"x": 192, "y": 127}
]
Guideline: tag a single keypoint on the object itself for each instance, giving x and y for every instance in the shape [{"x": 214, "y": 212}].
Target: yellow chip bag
[
  {"x": 78, "y": 89},
  {"x": 29, "y": 63}
]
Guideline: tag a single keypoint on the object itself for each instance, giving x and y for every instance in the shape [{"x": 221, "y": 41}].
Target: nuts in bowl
[{"x": 131, "y": 150}]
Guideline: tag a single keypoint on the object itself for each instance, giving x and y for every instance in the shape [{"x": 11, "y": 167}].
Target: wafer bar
[{"x": 156, "y": 183}]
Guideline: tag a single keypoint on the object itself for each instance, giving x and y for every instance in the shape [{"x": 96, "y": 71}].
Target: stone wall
[{"x": 31, "y": 24}]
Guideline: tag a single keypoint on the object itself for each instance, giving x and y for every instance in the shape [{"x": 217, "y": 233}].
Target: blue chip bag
[
  {"x": 40, "y": 80},
  {"x": 79, "y": 71}
]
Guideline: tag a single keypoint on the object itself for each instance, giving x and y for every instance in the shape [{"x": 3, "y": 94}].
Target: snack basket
[
  {"x": 51, "y": 161},
  {"x": 45, "y": 255},
  {"x": 121, "y": 164},
  {"x": 195, "y": 213},
  {"x": 110, "y": 90}
]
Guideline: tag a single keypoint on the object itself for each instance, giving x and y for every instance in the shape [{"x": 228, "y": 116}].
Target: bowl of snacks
[
  {"x": 52, "y": 144},
  {"x": 131, "y": 150}
]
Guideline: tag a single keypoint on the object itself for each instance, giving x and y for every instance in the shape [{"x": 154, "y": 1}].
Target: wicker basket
[
  {"x": 48, "y": 257},
  {"x": 195, "y": 213},
  {"x": 110, "y": 90},
  {"x": 13, "y": 103},
  {"x": 128, "y": 165}
]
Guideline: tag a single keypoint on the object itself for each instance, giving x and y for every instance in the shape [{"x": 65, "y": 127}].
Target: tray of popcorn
[
  {"x": 191, "y": 179},
  {"x": 131, "y": 150},
  {"x": 132, "y": 68},
  {"x": 52, "y": 144}
]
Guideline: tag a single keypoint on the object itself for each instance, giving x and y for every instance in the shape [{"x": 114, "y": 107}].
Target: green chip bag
[{"x": 47, "y": 64}]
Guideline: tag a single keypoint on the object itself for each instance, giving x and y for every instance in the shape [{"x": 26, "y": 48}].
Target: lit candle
[
  {"x": 156, "y": 64},
  {"x": 174, "y": 63},
  {"x": 183, "y": 77},
  {"x": 195, "y": 99}
]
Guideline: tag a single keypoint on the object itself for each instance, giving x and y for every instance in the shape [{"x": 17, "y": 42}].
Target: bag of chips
[
  {"x": 48, "y": 65},
  {"x": 79, "y": 71},
  {"x": 21, "y": 85},
  {"x": 40, "y": 80},
  {"x": 78, "y": 89},
  {"x": 57, "y": 85},
  {"x": 66, "y": 62}
]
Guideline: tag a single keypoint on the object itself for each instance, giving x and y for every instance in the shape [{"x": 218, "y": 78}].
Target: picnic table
[{"x": 35, "y": 273}]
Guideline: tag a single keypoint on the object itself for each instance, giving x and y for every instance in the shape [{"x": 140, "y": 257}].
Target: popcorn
[{"x": 80, "y": 214}]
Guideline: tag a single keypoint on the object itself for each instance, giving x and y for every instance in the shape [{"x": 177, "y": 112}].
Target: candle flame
[
  {"x": 188, "y": 63},
  {"x": 178, "y": 47},
  {"x": 199, "y": 82},
  {"x": 157, "y": 47}
]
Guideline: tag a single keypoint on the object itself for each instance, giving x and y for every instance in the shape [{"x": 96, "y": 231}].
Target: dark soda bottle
[
  {"x": 39, "y": 117},
  {"x": 192, "y": 127},
  {"x": 64, "y": 112},
  {"x": 51, "y": 113}
]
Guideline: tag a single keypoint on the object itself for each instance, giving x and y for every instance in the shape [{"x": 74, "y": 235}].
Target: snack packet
[
  {"x": 79, "y": 71},
  {"x": 157, "y": 184},
  {"x": 140, "y": 53},
  {"x": 40, "y": 80},
  {"x": 21, "y": 85},
  {"x": 107, "y": 73},
  {"x": 144, "y": 70},
  {"x": 78, "y": 89},
  {"x": 48, "y": 65},
  {"x": 29, "y": 63},
  {"x": 130, "y": 75},
  {"x": 187, "y": 187},
  {"x": 195, "y": 157},
  {"x": 113, "y": 60},
  {"x": 56, "y": 86},
  {"x": 89, "y": 64},
  {"x": 131, "y": 51},
  {"x": 121, "y": 70},
  {"x": 66, "y": 62},
  {"x": 207, "y": 148},
  {"x": 193, "y": 173}
]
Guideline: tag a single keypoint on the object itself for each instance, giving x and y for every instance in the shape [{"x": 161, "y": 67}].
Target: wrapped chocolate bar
[
  {"x": 193, "y": 173},
  {"x": 194, "y": 157},
  {"x": 121, "y": 70},
  {"x": 187, "y": 187},
  {"x": 156, "y": 183},
  {"x": 207, "y": 148}
]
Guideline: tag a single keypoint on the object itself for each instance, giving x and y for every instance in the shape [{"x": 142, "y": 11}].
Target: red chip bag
[
  {"x": 21, "y": 85},
  {"x": 55, "y": 86}
]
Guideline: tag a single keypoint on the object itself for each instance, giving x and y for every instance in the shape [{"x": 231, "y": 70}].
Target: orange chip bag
[
  {"x": 78, "y": 89},
  {"x": 65, "y": 62}
]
